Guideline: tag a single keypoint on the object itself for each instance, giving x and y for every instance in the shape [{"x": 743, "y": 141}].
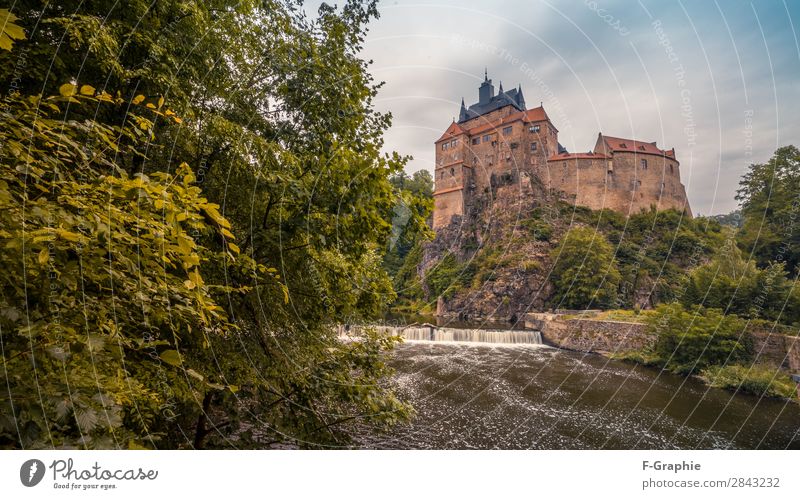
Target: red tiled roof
[
  {"x": 452, "y": 131},
  {"x": 578, "y": 155},
  {"x": 535, "y": 114},
  {"x": 630, "y": 145}
]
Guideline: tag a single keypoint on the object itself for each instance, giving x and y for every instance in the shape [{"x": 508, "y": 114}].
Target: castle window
[
  {"x": 445, "y": 146},
  {"x": 534, "y": 129},
  {"x": 476, "y": 141},
  {"x": 507, "y": 130},
  {"x": 486, "y": 138},
  {"x": 514, "y": 145},
  {"x": 670, "y": 169},
  {"x": 533, "y": 146},
  {"x": 452, "y": 171},
  {"x": 453, "y": 142},
  {"x": 644, "y": 164},
  {"x": 494, "y": 143}
]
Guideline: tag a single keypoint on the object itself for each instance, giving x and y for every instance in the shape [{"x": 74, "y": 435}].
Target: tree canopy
[{"x": 231, "y": 205}]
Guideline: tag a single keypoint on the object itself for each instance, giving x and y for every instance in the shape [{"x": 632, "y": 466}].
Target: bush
[
  {"x": 759, "y": 380},
  {"x": 584, "y": 273},
  {"x": 447, "y": 277},
  {"x": 688, "y": 341},
  {"x": 539, "y": 230}
]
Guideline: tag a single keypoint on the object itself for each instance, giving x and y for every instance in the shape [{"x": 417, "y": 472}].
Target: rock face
[{"x": 504, "y": 267}]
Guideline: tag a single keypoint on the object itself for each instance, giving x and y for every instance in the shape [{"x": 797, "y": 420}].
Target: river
[{"x": 495, "y": 396}]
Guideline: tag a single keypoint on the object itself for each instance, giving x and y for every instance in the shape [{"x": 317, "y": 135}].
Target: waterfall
[{"x": 433, "y": 333}]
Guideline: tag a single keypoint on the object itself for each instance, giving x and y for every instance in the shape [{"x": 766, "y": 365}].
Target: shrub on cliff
[
  {"x": 584, "y": 273},
  {"x": 690, "y": 340}
]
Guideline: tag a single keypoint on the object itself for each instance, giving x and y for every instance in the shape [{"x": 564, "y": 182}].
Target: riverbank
[{"x": 630, "y": 340}]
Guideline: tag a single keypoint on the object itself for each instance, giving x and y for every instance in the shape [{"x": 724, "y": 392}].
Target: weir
[{"x": 428, "y": 332}]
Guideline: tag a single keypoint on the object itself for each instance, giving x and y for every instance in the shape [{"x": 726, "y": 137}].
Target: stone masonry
[{"x": 500, "y": 149}]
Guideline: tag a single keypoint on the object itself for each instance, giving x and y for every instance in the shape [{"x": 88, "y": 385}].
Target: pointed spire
[
  {"x": 520, "y": 97},
  {"x": 501, "y": 88},
  {"x": 462, "y": 115}
]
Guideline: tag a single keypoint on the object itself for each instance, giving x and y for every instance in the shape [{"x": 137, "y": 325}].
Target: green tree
[
  {"x": 731, "y": 283},
  {"x": 584, "y": 273},
  {"x": 103, "y": 297},
  {"x": 690, "y": 340},
  {"x": 769, "y": 194},
  {"x": 274, "y": 116}
]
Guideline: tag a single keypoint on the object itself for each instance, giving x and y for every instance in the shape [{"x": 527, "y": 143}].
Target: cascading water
[{"x": 432, "y": 333}]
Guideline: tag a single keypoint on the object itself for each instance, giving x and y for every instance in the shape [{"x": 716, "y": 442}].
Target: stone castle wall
[{"x": 622, "y": 183}]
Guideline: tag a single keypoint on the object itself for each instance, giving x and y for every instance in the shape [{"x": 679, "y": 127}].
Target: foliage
[
  {"x": 9, "y": 31},
  {"x": 277, "y": 123},
  {"x": 768, "y": 195},
  {"x": 732, "y": 219},
  {"x": 447, "y": 277},
  {"x": 731, "y": 283},
  {"x": 652, "y": 249},
  {"x": 584, "y": 274},
  {"x": 409, "y": 222},
  {"x": 689, "y": 340},
  {"x": 103, "y": 288},
  {"x": 761, "y": 380},
  {"x": 539, "y": 230}
]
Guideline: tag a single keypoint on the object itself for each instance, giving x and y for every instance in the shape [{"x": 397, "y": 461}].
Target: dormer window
[
  {"x": 623, "y": 146},
  {"x": 534, "y": 129},
  {"x": 641, "y": 148}
]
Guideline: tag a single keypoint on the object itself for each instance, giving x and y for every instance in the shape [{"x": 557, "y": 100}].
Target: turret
[{"x": 486, "y": 90}]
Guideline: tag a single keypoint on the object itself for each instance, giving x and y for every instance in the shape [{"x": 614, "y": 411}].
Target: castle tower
[{"x": 495, "y": 144}]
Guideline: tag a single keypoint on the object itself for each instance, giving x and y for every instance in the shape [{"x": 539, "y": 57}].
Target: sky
[{"x": 718, "y": 81}]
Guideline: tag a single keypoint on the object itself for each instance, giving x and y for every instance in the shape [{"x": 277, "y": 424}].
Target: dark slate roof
[{"x": 512, "y": 97}]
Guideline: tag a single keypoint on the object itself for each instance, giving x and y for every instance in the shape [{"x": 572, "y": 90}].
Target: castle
[{"x": 499, "y": 148}]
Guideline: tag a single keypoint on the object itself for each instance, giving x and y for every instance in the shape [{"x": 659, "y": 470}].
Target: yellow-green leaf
[
  {"x": 87, "y": 90},
  {"x": 44, "y": 256},
  {"x": 137, "y": 99},
  {"x": 69, "y": 236},
  {"x": 194, "y": 374},
  {"x": 67, "y": 90},
  {"x": 160, "y": 102},
  {"x": 171, "y": 357},
  {"x": 9, "y": 31}
]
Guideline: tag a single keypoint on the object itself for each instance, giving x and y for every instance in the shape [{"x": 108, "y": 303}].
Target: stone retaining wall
[{"x": 589, "y": 335}]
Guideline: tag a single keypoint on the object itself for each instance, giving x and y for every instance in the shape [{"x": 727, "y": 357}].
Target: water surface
[{"x": 484, "y": 396}]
